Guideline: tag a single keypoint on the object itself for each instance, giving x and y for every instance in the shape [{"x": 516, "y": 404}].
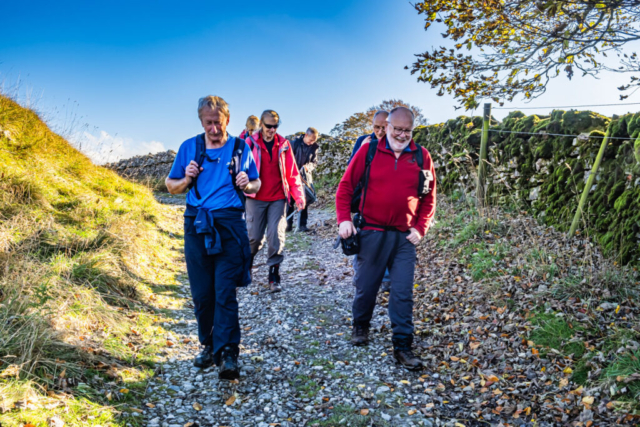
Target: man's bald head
[{"x": 403, "y": 112}]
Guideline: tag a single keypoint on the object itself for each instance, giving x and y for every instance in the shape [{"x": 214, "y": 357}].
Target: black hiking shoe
[
  {"x": 360, "y": 335},
  {"x": 274, "y": 278},
  {"x": 205, "y": 358},
  {"x": 303, "y": 229},
  {"x": 289, "y": 227},
  {"x": 229, "y": 364},
  {"x": 403, "y": 354}
]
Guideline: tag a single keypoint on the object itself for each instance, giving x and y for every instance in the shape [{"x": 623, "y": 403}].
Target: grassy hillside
[{"x": 84, "y": 259}]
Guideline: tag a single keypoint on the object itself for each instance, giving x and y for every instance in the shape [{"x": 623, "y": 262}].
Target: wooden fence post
[
  {"x": 482, "y": 174},
  {"x": 587, "y": 187}
]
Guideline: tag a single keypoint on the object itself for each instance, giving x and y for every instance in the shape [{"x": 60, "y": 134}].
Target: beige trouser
[{"x": 270, "y": 216}]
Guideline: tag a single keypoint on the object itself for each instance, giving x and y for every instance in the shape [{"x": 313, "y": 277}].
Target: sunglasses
[{"x": 271, "y": 126}]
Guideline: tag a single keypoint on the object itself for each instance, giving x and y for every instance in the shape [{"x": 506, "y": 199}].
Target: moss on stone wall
[{"x": 546, "y": 173}]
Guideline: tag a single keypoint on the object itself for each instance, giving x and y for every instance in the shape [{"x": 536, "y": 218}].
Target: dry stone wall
[
  {"x": 546, "y": 173},
  {"x": 152, "y": 167}
]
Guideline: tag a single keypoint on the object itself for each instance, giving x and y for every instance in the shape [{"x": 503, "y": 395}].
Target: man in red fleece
[{"x": 396, "y": 217}]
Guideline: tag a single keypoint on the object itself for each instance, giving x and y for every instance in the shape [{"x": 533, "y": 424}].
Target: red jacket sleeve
[
  {"x": 292, "y": 175},
  {"x": 427, "y": 207},
  {"x": 348, "y": 183}
]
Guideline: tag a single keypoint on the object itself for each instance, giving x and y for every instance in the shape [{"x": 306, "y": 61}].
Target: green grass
[
  {"x": 553, "y": 332},
  {"x": 345, "y": 415},
  {"x": 622, "y": 367},
  {"x": 306, "y": 387}
]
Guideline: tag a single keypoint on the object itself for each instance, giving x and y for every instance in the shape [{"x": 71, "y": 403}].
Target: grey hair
[
  {"x": 213, "y": 102},
  {"x": 405, "y": 110},
  {"x": 313, "y": 131},
  {"x": 379, "y": 113}
]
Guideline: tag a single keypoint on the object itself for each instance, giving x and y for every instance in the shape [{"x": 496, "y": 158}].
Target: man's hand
[
  {"x": 192, "y": 170},
  {"x": 299, "y": 206},
  {"x": 414, "y": 237},
  {"x": 242, "y": 180},
  {"x": 367, "y": 140},
  {"x": 347, "y": 229}
]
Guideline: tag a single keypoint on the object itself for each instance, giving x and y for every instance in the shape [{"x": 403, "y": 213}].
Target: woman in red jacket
[{"x": 280, "y": 184}]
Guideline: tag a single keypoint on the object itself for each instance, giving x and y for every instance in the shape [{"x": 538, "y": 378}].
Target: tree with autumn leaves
[
  {"x": 502, "y": 49},
  {"x": 360, "y": 123}
]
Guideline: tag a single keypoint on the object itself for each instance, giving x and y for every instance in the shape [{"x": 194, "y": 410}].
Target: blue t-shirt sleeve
[
  {"x": 249, "y": 164},
  {"x": 180, "y": 163}
]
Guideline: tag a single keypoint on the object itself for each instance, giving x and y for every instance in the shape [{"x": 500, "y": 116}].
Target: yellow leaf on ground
[
  {"x": 124, "y": 391},
  {"x": 230, "y": 401},
  {"x": 564, "y": 382},
  {"x": 197, "y": 406},
  {"x": 588, "y": 400},
  {"x": 412, "y": 411},
  {"x": 364, "y": 412},
  {"x": 405, "y": 382},
  {"x": 150, "y": 405},
  {"x": 568, "y": 370}
]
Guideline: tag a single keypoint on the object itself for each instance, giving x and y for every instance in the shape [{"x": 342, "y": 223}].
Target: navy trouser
[
  {"x": 354, "y": 261},
  {"x": 214, "y": 278},
  {"x": 380, "y": 250}
]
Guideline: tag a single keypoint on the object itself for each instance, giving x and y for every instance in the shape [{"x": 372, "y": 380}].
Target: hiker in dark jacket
[
  {"x": 305, "y": 150},
  {"x": 379, "y": 125},
  {"x": 397, "y": 214},
  {"x": 216, "y": 244}
]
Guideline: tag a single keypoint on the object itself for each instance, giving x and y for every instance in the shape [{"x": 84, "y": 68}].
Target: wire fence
[
  {"x": 566, "y": 106},
  {"x": 542, "y": 133}
]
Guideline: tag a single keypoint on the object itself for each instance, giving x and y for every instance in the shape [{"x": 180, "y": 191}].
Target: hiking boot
[
  {"x": 205, "y": 358},
  {"x": 289, "y": 228},
  {"x": 274, "y": 278},
  {"x": 386, "y": 286},
  {"x": 403, "y": 354},
  {"x": 229, "y": 364},
  {"x": 303, "y": 229},
  {"x": 360, "y": 335}
]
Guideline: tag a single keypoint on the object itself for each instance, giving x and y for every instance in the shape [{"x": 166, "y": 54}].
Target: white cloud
[{"x": 105, "y": 148}]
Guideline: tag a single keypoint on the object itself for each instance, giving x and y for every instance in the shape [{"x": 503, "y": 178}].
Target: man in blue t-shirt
[{"x": 217, "y": 169}]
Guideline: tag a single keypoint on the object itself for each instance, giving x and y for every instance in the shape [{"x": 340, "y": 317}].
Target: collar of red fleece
[{"x": 382, "y": 145}]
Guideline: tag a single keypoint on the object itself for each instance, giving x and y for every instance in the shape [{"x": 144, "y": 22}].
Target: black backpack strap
[
  {"x": 419, "y": 157},
  {"x": 235, "y": 166},
  {"x": 201, "y": 150},
  {"x": 425, "y": 178},
  {"x": 371, "y": 152}
]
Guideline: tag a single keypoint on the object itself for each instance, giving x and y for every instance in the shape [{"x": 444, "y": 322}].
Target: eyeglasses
[
  {"x": 271, "y": 126},
  {"x": 399, "y": 132}
]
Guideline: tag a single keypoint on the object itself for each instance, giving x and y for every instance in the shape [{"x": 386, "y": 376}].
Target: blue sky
[{"x": 126, "y": 76}]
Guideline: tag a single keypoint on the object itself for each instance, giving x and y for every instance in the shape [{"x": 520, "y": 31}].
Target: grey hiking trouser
[
  {"x": 270, "y": 216},
  {"x": 380, "y": 250}
]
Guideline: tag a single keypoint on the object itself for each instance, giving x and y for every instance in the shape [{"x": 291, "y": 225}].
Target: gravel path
[{"x": 297, "y": 366}]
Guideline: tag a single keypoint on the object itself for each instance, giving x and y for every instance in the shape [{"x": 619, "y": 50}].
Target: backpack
[
  {"x": 235, "y": 164},
  {"x": 360, "y": 192}
]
